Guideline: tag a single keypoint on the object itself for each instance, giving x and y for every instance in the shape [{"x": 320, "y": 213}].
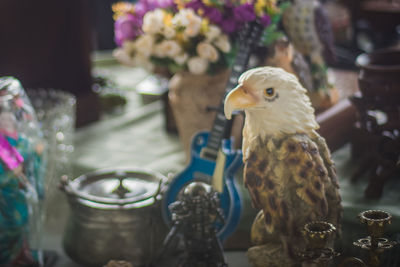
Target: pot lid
[{"x": 117, "y": 186}]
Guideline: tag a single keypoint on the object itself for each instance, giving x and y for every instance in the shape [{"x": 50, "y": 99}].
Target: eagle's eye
[{"x": 269, "y": 92}]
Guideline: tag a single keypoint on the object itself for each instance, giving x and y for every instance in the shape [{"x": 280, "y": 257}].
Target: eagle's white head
[{"x": 274, "y": 101}]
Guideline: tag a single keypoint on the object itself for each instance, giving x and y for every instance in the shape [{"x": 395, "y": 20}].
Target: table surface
[{"x": 137, "y": 138}]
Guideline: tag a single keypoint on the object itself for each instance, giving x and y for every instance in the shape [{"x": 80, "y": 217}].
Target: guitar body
[{"x": 202, "y": 169}]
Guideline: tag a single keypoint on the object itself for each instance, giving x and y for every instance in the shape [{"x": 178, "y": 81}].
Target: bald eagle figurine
[{"x": 288, "y": 168}]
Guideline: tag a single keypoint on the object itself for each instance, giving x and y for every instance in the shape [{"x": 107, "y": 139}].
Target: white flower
[
  {"x": 181, "y": 18},
  {"x": 223, "y": 43},
  {"x": 207, "y": 51},
  {"x": 158, "y": 52},
  {"x": 192, "y": 29},
  {"x": 212, "y": 33},
  {"x": 189, "y": 20},
  {"x": 143, "y": 62},
  {"x": 168, "y": 32},
  {"x": 197, "y": 65},
  {"x": 168, "y": 48},
  {"x": 153, "y": 21},
  {"x": 144, "y": 45},
  {"x": 181, "y": 59},
  {"x": 129, "y": 47},
  {"x": 122, "y": 56}
]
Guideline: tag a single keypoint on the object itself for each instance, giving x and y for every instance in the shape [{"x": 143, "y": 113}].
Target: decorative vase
[{"x": 192, "y": 99}]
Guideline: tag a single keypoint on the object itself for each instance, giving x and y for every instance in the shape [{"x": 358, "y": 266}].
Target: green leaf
[
  {"x": 272, "y": 32},
  {"x": 230, "y": 56},
  {"x": 174, "y": 68}
]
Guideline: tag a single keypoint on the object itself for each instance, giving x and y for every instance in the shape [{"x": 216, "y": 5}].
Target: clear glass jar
[
  {"x": 55, "y": 111},
  {"x": 22, "y": 170}
]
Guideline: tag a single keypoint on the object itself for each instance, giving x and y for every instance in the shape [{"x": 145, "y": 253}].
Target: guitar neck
[
  {"x": 221, "y": 124},
  {"x": 248, "y": 36}
]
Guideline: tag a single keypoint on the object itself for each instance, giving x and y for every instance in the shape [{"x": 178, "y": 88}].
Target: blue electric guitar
[{"x": 213, "y": 159}]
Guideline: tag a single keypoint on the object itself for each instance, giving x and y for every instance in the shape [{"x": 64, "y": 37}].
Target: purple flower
[
  {"x": 228, "y": 26},
  {"x": 213, "y": 14},
  {"x": 144, "y": 6},
  {"x": 166, "y": 3},
  {"x": 153, "y": 4},
  {"x": 265, "y": 20},
  {"x": 195, "y": 5},
  {"x": 127, "y": 27},
  {"x": 244, "y": 13}
]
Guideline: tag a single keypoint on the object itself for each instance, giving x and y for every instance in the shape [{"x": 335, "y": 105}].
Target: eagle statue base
[
  {"x": 268, "y": 255},
  {"x": 265, "y": 251}
]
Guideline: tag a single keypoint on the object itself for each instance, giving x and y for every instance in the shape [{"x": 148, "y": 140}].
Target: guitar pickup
[{"x": 208, "y": 153}]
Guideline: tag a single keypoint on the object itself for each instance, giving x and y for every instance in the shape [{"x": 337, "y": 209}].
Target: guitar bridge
[{"x": 208, "y": 153}]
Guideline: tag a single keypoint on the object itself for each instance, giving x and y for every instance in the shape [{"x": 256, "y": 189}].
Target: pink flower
[{"x": 127, "y": 27}]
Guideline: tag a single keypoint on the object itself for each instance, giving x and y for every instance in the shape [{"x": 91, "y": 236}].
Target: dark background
[{"x": 48, "y": 44}]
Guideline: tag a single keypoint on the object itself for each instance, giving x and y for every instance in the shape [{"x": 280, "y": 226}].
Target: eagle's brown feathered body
[
  {"x": 293, "y": 181},
  {"x": 301, "y": 162}
]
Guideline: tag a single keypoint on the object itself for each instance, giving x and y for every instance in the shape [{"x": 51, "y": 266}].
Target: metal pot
[{"x": 114, "y": 214}]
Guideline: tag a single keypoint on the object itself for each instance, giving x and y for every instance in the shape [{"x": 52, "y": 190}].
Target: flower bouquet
[
  {"x": 191, "y": 40},
  {"x": 192, "y": 35}
]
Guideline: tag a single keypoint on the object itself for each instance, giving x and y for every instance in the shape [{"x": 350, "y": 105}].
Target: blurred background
[{"x": 122, "y": 111}]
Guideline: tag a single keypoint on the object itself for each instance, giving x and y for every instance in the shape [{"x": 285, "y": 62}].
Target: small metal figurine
[{"x": 194, "y": 217}]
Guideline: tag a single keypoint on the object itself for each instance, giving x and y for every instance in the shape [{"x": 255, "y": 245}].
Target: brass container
[
  {"x": 116, "y": 215},
  {"x": 318, "y": 234}
]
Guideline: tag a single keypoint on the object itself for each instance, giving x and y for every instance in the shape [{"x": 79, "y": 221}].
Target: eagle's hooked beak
[{"x": 238, "y": 98}]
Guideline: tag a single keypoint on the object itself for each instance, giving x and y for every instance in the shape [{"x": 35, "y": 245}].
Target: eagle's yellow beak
[{"x": 238, "y": 98}]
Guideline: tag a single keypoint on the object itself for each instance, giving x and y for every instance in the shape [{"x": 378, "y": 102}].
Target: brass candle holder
[
  {"x": 375, "y": 243},
  {"x": 375, "y": 222},
  {"x": 318, "y": 234}
]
